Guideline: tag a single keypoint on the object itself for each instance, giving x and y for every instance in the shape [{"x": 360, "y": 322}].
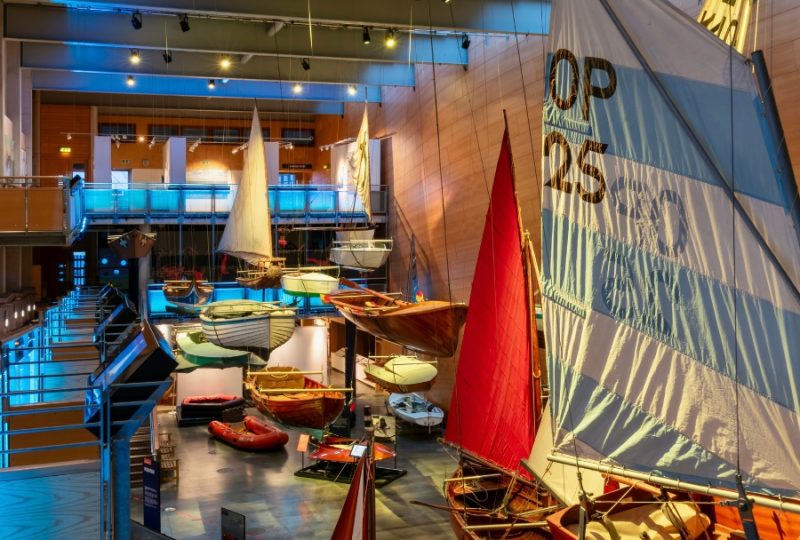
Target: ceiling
[{"x": 86, "y": 47}]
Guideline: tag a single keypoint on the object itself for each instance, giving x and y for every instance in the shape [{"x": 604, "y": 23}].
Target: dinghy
[
  {"x": 238, "y": 324},
  {"x": 187, "y": 294},
  {"x": 339, "y": 449},
  {"x": 132, "y": 244},
  {"x": 308, "y": 284},
  {"x": 401, "y": 374},
  {"x": 256, "y": 435},
  {"x": 414, "y": 409}
]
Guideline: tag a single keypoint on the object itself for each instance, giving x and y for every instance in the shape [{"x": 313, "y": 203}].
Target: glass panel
[{"x": 120, "y": 179}]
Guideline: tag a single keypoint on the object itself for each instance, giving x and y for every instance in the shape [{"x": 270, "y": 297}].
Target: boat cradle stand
[{"x": 333, "y": 471}]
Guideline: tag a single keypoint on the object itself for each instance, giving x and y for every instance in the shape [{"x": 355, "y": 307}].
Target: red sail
[
  {"x": 355, "y": 518},
  {"x": 491, "y": 409}
]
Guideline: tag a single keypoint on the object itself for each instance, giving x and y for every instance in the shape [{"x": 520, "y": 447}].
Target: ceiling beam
[
  {"x": 51, "y": 24},
  {"x": 184, "y": 86},
  {"x": 493, "y": 16},
  {"x": 95, "y": 59}
]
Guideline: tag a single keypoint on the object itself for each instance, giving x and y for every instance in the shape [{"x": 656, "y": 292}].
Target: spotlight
[
  {"x": 365, "y": 36},
  {"x": 297, "y": 88},
  {"x": 135, "y": 58},
  {"x": 351, "y": 90},
  {"x": 306, "y": 64},
  {"x": 141, "y": 138},
  {"x": 131, "y": 81},
  {"x": 391, "y": 39},
  {"x": 465, "y": 41},
  {"x": 446, "y": 1},
  {"x": 69, "y": 136},
  {"x": 225, "y": 62},
  {"x": 212, "y": 84},
  {"x": 183, "y": 21},
  {"x": 167, "y": 56},
  {"x": 117, "y": 144},
  {"x": 136, "y": 20}
]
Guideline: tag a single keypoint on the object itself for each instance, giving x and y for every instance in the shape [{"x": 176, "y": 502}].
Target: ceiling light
[
  {"x": 141, "y": 138},
  {"x": 306, "y": 64},
  {"x": 365, "y": 36},
  {"x": 446, "y": 1},
  {"x": 351, "y": 90},
  {"x": 225, "y": 81},
  {"x": 136, "y": 20},
  {"x": 117, "y": 143},
  {"x": 225, "y": 62},
  {"x": 297, "y": 88},
  {"x": 131, "y": 81},
  {"x": 135, "y": 58},
  {"x": 212, "y": 84},
  {"x": 69, "y": 136},
  {"x": 391, "y": 39},
  {"x": 183, "y": 21},
  {"x": 167, "y": 56},
  {"x": 465, "y": 41}
]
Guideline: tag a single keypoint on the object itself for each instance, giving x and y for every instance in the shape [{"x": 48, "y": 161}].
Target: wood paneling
[{"x": 56, "y": 122}]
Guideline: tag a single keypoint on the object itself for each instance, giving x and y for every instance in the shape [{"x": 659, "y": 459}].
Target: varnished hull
[
  {"x": 188, "y": 293},
  {"x": 264, "y": 277},
  {"x": 133, "y": 244},
  {"x": 338, "y": 449}
]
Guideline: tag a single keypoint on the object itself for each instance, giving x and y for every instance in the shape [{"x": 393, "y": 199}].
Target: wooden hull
[
  {"x": 187, "y": 293},
  {"x": 242, "y": 324},
  {"x": 361, "y": 254},
  {"x": 133, "y": 244},
  {"x": 257, "y": 435},
  {"x": 430, "y": 327},
  {"x": 338, "y": 449},
  {"x": 309, "y": 284},
  {"x": 266, "y": 276},
  {"x": 402, "y": 375},
  {"x": 304, "y": 409}
]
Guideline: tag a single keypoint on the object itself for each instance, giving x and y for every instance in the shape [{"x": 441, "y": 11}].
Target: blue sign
[{"x": 151, "y": 494}]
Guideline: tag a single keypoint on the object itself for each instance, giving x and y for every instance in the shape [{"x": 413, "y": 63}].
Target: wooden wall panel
[{"x": 56, "y": 122}]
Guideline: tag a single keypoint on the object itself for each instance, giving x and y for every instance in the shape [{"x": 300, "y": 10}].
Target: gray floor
[{"x": 279, "y": 505}]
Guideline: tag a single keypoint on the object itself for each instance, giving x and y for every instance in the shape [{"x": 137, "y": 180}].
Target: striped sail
[{"x": 671, "y": 252}]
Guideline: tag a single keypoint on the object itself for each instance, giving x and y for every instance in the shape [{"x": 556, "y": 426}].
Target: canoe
[
  {"x": 309, "y": 283},
  {"x": 430, "y": 327},
  {"x": 414, "y": 409},
  {"x": 132, "y": 244},
  {"x": 361, "y": 254},
  {"x": 314, "y": 409},
  {"x": 338, "y": 449},
  {"x": 247, "y": 323},
  {"x": 402, "y": 374},
  {"x": 256, "y": 435}
]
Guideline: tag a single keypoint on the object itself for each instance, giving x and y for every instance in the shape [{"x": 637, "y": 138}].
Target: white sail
[
  {"x": 359, "y": 164},
  {"x": 727, "y": 19},
  {"x": 248, "y": 232},
  {"x": 671, "y": 252}
]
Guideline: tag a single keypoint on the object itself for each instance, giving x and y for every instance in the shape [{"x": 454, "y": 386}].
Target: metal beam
[
  {"x": 493, "y": 16},
  {"x": 178, "y": 86},
  {"x": 95, "y": 59},
  {"x": 52, "y": 24}
]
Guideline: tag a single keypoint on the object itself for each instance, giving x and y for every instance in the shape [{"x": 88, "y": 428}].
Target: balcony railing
[{"x": 43, "y": 206}]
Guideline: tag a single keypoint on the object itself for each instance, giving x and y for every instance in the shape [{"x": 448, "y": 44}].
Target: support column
[
  {"x": 121, "y": 486},
  {"x": 175, "y": 160},
  {"x": 26, "y": 124},
  {"x": 101, "y": 159},
  {"x": 350, "y": 369},
  {"x": 13, "y": 106},
  {"x": 144, "y": 278}
]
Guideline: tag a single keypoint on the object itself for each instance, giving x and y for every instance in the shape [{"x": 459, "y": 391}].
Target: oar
[{"x": 446, "y": 508}]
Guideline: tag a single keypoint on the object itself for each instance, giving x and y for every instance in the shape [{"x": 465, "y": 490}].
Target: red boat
[
  {"x": 338, "y": 449},
  {"x": 256, "y": 435}
]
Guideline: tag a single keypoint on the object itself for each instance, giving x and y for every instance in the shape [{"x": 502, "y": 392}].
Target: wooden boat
[
  {"x": 246, "y": 323},
  {"x": 294, "y": 399},
  {"x": 197, "y": 351},
  {"x": 256, "y": 435},
  {"x": 430, "y": 327},
  {"x": 401, "y": 374},
  {"x": 187, "y": 293},
  {"x": 307, "y": 284},
  {"x": 338, "y": 449},
  {"x": 248, "y": 230},
  {"x": 414, "y": 409},
  {"x": 132, "y": 244},
  {"x": 361, "y": 254}
]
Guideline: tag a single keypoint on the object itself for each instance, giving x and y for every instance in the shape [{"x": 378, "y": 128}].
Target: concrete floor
[{"x": 279, "y": 505}]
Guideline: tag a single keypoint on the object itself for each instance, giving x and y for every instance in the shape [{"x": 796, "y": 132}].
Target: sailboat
[
  {"x": 671, "y": 270},
  {"x": 356, "y": 248},
  {"x": 248, "y": 231}
]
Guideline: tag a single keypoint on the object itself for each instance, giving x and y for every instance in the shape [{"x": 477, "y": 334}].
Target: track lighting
[
  {"x": 465, "y": 41},
  {"x": 135, "y": 58},
  {"x": 351, "y": 90},
  {"x": 167, "y": 56},
  {"x": 141, "y": 138},
  {"x": 69, "y": 136},
  {"x": 117, "y": 144},
  {"x": 297, "y": 88},
  {"x": 365, "y": 36},
  {"x": 194, "y": 145},
  {"x": 225, "y": 62},
  {"x": 306, "y": 64},
  {"x": 131, "y": 81},
  {"x": 183, "y": 21},
  {"x": 136, "y": 20},
  {"x": 212, "y": 84},
  {"x": 446, "y": 1},
  {"x": 391, "y": 39}
]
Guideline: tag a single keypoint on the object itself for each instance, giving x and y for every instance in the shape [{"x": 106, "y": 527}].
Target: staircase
[{"x": 140, "y": 449}]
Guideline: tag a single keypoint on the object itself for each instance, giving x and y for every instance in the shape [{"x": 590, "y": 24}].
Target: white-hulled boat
[
  {"x": 414, "y": 409},
  {"x": 361, "y": 254},
  {"x": 309, "y": 283},
  {"x": 355, "y": 233},
  {"x": 247, "y": 324}
]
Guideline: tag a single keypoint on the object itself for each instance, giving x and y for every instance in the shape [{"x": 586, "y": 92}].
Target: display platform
[{"x": 343, "y": 473}]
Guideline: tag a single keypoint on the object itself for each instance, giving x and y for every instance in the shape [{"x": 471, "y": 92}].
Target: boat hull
[
  {"x": 186, "y": 293},
  {"x": 361, "y": 254},
  {"x": 267, "y": 327},
  {"x": 402, "y": 375},
  {"x": 133, "y": 244},
  {"x": 257, "y": 435},
  {"x": 309, "y": 284},
  {"x": 338, "y": 449},
  {"x": 414, "y": 409}
]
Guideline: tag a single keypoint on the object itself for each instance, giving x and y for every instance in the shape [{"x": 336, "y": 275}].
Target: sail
[
  {"x": 671, "y": 252},
  {"x": 354, "y": 519},
  {"x": 248, "y": 231},
  {"x": 359, "y": 163},
  {"x": 491, "y": 408},
  {"x": 728, "y": 20}
]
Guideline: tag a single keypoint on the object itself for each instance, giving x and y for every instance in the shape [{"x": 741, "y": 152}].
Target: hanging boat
[
  {"x": 132, "y": 244},
  {"x": 430, "y": 327},
  {"x": 248, "y": 231},
  {"x": 346, "y": 234},
  {"x": 294, "y": 399},
  {"x": 308, "y": 284},
  {"x": 401, "y": 374},
  {"x": 196, "y": 351},
  {"x": 246, "y": 323},
  {"x": 256, "y": 435},
  {"x": 414, "y": 409},
  {"x": 671, "y": 249},
  {"x": 339, "y": 449},
  {"x": 361, "y": 255},
  {"x": 187, "y": 293}
]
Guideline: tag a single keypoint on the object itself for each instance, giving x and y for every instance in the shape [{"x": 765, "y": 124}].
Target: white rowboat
[{"x": 247, "y": 323}]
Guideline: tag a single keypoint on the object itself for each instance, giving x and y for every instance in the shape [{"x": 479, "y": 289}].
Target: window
[
  {"x": 225, "y": 135},
  {"x": 299, "y": 136},
  {"x": 120, "y": 178},
  {"x": 287, "y": 179},
  {"x": 161, "y": 130},
  {"x": 79, "y": 268},
  {"x": 194, "y": 132},
  {"x": 125, "y": 132}
]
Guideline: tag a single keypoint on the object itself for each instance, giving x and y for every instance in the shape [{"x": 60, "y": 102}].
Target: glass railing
[{"x": 41, "y": 205}]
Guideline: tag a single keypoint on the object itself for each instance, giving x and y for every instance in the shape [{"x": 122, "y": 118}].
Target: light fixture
[
  {"x": 446, "y": 1},
  {"x": 194, "y": 146},
  {"x": 306, "y": 64},
  {"x": 6, "y": 321},
  {"x": 167, "y": 56},
  {"x": 131, "y": 81},
  {"x": 351, "y": 90},
  {"x": 135, "y": 58},
  {"x": 225, "y": 62},
  {"x": 117, "y": 143},
  {"x": 212, "y": 84},
  {"x": 136, "y": 20},
  {"x": 391, "y": 39},
  {"x": 152, "y": 143},
  {"x": 465, "y": 41},
  {"x": 365, "y": 36},
  {"x": 65, "y": 149},
  {"x": 297, "y": 88},
  {"x": 69, "y": 136},
  {"x": 141, "y": 138},
  {"x": 15, "y": 314},
  {"x": 183, "y": 21}
]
